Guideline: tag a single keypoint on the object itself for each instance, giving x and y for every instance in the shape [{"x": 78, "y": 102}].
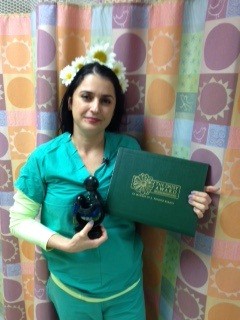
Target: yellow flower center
[
  {"x": 79, "y": 66},
  {"x": 69, "y": 76},
  {"x": 116, "y": 71},
  {"x": 101, "y": 56}
]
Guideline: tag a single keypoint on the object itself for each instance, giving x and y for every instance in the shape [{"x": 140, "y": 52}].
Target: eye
[
  {"x": 106, "y": 101},
  {"x": 86, "y": 96}
]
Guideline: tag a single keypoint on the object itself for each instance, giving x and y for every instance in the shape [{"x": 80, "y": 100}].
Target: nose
[{"x": 95, "y": 106}]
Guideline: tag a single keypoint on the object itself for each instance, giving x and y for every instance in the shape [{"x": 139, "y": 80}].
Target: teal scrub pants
[{"x": 129, "y": 306}]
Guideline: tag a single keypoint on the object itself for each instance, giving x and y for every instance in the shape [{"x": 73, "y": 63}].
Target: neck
[
  {"x": 86, "y": 144},
  {"x": 91, "y": 150}
]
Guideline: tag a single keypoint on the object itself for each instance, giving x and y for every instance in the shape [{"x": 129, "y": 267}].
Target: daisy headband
[{"x": 101, "y": 53}]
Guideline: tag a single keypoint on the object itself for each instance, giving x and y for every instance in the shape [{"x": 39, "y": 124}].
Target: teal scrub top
[{"x": 53, "y": 176}]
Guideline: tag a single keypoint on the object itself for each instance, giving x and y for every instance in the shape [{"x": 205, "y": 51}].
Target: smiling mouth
[{"x": 92, "y": 120}]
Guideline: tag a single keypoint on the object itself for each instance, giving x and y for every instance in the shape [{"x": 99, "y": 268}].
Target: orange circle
[
  {"x": 165, "y": 46},
  {"x": 28, "y": 250},
  {"x": 17, "y": 170},
  {"x": 21, "y": 59},
  {"x": 160, "y": 97},
  {"x": 232, "y": 275},
  {"x": 230, "y": 220},
  {"x": 24, "y": 142},
  {"x": 235, "y": 174},
  {"x": 223, "y": 311},
  {"x": 20, "y": 92},
  {"x": 72, "y": 47}
]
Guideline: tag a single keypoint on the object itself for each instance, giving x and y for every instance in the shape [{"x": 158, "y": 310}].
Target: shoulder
[
  {"x": 51, "y": 145},
  {"x": 48, "y": 148},
  {"x": 122, "y": 140}
]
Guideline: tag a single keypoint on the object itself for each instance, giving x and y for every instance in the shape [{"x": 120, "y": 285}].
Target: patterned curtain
[{"x": 182, "y": 60}]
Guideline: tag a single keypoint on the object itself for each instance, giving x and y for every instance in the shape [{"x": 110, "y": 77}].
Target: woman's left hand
[{"x": 201, "y": 200}]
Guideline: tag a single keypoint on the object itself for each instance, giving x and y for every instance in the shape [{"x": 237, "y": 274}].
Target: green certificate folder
[{"x": 153, "y": 189}]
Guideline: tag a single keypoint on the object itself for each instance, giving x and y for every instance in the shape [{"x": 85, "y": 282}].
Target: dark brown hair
[{"x": 66, "y": 118}]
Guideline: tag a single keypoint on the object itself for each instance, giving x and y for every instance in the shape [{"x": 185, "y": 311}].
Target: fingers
[
  {"x": 104, "y": 232},
  {"x": 81, "y": 241},
  {"x": 198, "y": 212},
  {"x": 201, "y": 198},
  {"x": 200, "y": 201},
  {"x": 94, "y": 242},
  {"x": 97, "y": 242},
  {"x": 212, "y": 189},
  {"x": 199, "y": 208},
  {"x": 87, "y": 228}
]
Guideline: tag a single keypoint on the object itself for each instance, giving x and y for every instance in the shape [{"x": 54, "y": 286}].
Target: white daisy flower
[
  {"x": 101, "y": 53},
  {"x": 79, "y": 62},
  {"x": 124, "y": 84},
  {"x": 67, "y": 74},
  {"x": 119, "y": 69}
]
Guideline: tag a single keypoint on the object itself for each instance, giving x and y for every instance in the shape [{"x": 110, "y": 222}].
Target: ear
[{"x": 70, "y": 103}]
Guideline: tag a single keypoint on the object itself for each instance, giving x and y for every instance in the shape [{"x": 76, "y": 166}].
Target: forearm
[
  {"x": 23, "y": 224},
  {"x": 56, "y": 241}
]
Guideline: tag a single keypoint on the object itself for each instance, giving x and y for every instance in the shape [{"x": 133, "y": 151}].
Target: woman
[{"x": 97, "y": 278}]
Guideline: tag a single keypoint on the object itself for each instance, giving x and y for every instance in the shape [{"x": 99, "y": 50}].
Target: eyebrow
[{"x": 104, "y": 95}]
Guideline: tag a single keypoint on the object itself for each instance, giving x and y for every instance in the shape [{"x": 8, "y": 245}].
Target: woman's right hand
[{"x": 79, "y": 242}]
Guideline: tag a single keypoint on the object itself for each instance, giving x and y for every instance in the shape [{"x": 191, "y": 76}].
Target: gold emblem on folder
[{"x": 144, "y": 185}]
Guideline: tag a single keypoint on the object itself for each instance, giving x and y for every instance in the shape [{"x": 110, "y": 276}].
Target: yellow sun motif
[
  {"x": 53, "y": 87},
  {"x": 22, "y": 149},
  {"x": 73, "y": 38},
  {"x": 9, "y": 176},
  {"x": 141, "y": 95},
  {"x": 234, "y": 184},
  {"x": 162, "y": 145},
  {"x": 213, "y": 277},
  {"x": 14, "y": 245},
  {"x": 168, "y": 48},
  {"x": 26, "y": 285},
  {"x": 19, "y": 62},
  {"x": 228, "y": 91},
  {"x": 197, "y": 300}
]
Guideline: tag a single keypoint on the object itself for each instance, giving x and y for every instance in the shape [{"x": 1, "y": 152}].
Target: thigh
[
  {"x": 130, "y": 306},
  {"x": 68, "y": 307}
]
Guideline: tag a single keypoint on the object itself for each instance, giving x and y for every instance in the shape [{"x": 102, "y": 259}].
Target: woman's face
[{"x": 92, "y": 105}]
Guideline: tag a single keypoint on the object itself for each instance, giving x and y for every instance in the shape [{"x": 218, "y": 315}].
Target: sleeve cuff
[
  {"x": 33, "y": 232},
  {"x": 23, "y": 222}
]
